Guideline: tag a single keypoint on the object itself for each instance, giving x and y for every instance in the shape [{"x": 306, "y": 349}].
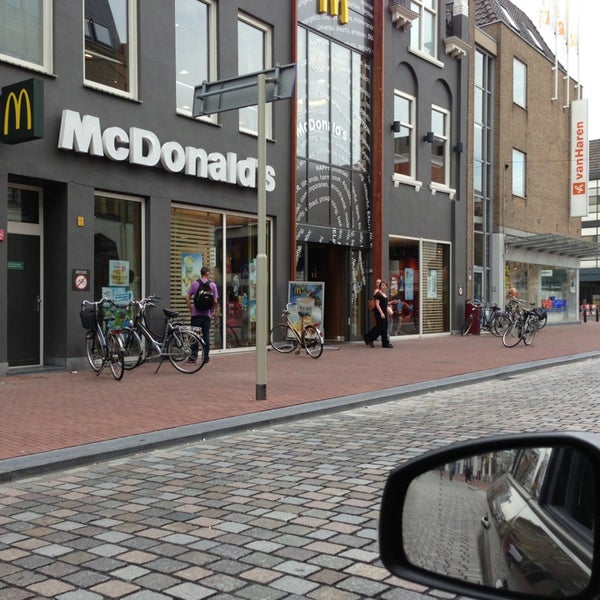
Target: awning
[{"x": 556, "y": 244}]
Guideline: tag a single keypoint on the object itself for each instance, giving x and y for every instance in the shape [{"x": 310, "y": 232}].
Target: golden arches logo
[
  {"x": 15, "y": 101},
  {"x": 336, "y": 8}
]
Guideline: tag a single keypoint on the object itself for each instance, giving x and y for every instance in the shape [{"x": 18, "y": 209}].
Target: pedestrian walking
[
  {"x": 381, "y": 314},
  {"x": 202, "y": 317}
]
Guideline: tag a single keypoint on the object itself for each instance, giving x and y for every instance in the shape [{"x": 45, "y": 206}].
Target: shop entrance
[
  {"x": 24, "y": 340},
  {"x": 329, "y": 264}
]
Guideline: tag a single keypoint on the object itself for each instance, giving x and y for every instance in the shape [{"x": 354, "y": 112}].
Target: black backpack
[{"x": 204, "y": 298}]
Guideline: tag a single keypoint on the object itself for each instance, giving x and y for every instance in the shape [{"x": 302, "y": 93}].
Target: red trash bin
[{"x": 471, "y": 308}]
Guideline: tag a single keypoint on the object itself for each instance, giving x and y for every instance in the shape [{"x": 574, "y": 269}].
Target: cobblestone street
[{"x": 280, "y": 512}]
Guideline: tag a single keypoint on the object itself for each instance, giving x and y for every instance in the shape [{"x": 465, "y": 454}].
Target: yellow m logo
[
  {"x": 335, "y": 8},
  {"x": 15, "y": 101}
]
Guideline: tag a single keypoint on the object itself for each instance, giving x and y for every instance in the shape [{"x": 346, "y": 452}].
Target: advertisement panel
[
  {"x": 579, "y": 159},
  {"x": 307, "y": 301}
]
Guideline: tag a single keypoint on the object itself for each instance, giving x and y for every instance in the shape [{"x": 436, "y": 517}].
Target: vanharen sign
[
  {"x": 22, "y": 112},
  {"x": 143, "y": 147}
]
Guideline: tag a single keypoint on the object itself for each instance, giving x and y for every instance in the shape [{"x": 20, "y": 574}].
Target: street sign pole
[
  {"x": 261, "y": 258},
  {"x": 230, "y": 94}
]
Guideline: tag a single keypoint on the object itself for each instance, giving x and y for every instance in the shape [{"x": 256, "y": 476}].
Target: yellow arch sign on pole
[{"x": 22, "y": 112}]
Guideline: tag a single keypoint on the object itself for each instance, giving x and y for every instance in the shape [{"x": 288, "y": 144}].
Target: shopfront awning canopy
[{"x": 556, "y": 244}]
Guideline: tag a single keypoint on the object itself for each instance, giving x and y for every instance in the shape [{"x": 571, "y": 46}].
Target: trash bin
[{"x": 472, "y": 308}]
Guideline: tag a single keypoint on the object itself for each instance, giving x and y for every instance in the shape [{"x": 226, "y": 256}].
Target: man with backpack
[{"x": 202, "y": 298}]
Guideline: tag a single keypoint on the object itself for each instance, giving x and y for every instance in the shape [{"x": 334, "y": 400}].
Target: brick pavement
[{"x": 50, "y": 411}]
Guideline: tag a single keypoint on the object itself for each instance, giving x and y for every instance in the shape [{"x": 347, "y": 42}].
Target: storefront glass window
[
  {"x": 228, "y": 244},
  {"x": 117, "y": 247}
]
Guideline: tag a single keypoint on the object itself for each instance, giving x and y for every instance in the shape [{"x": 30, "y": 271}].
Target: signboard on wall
[
  {"x": 579, "y": 158},
  {"x": 307, "y": 299}
]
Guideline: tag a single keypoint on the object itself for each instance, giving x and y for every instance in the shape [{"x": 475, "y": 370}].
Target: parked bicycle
[
  {"x": 286, "y": 337},
  {"x": 516, "y": 306},
  {"x": 102, "y": 343},
  {"x": 524, "y": 327},
  {"x": 488, "y": 316},
  {"x": 179, "y": 343}
]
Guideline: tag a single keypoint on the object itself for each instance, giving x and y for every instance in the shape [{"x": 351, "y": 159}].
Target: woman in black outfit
[{"x": 381, "y": 319}]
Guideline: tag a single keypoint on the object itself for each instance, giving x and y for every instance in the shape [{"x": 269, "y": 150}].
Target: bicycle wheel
[
  {"x": 468, "y": 323},
  {"x": 311, "y": 339},
  {"x": 529, "y": 329},
  {"x": 180, "y": 346},
  {"x": 132, "y": 348},
  {"x": 500, "y": 322},
  {"x": 512, "y": 335},
  {"x": 542, "y": 320},
  {"x": 115, "y": 356},
  {"x": 282, "y": 339},
  {"x": 94, "y": 350}
]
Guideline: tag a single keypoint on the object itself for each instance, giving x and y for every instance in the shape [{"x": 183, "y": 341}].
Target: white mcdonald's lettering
[
  {"x": 142, "y": 147},
  {"x": 335, "y": 8},
  {"x": 15, "y": 101}
]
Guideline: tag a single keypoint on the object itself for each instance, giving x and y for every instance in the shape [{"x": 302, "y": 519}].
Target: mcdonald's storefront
[{"x": 102, "y": 198}]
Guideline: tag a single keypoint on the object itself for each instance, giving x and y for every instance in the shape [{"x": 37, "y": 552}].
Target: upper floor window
[
  {"x": 440, "y": 125},
  {"x": 26, "y": 33},
  {"x": 423, "y": 33},
  {"x": 404, "y": 135},
  {"x": 519, "y": 83},
  {"x": 110, "y": 35},
  {"x": 195, "y": 40},
  {"x": 254, "y": 54},
  {"x": 519, "y": 172}
]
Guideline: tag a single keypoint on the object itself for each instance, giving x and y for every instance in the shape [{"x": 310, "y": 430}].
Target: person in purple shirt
[{"x": 202, "y": 318}]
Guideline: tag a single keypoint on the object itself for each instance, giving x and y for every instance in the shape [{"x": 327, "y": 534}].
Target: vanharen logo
[
  {"x": 15, "y": 102},
  {"x": 335, "y": 8},
  {"x": 22, "y": 111}
]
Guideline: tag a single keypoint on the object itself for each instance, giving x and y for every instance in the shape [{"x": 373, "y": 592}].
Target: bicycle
[
  {"x": 285, "y": 337},
  {"x": 489, "y": 316},
  {"x": 102, "y": 343},
  {"x": 524, "y": 327},
  {"x": 177, "y": 343}
]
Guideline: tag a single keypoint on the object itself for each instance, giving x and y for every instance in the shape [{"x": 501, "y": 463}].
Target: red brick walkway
[{"x": 52, "y": 411}]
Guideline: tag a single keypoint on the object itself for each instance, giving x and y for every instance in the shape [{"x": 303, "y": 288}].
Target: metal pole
[{"x": 262, "y": 300}]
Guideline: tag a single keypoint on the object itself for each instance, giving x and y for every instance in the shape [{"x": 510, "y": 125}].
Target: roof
[
  {"x": 556, "y": 244},
  {"x": 488, "y": 12},
  {"x": 594, "y": 146}
]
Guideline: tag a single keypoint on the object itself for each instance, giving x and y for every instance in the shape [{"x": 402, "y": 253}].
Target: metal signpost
[{"x": 253, "y": 89}]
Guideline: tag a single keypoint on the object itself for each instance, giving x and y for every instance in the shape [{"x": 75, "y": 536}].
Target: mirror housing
[{"x": 392, "y": 547}]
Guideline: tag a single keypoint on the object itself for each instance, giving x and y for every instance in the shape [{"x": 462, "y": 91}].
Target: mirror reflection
[{"x": 519, "y": 520}]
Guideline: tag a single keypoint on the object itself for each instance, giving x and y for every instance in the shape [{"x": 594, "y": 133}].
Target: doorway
[{"x": 24, "y": 277}]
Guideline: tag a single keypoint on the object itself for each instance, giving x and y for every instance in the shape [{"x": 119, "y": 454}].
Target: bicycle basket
[{"x": 88, "y": 317}]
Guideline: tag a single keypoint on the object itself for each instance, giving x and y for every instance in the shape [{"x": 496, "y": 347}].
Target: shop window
[
  {"x": 110, "y": 38},
  {"x": 228, "y": 244},
  {"x": 254, "y": 54},
  {"x": 26, "y": 33},
  {"x": 117, "y": 247},
  {"x": 196, "y": 48}
]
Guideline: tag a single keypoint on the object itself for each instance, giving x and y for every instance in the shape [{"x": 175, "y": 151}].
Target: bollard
[{"x": 597, "y": 313}]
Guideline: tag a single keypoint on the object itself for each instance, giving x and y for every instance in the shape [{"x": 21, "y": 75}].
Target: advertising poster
[
  {"x": 190, "y": 270},
  {"x": 118, "y": 273},
  {"x": 307, "y": 299},
  {"x": 432, "y": 279},
  {"x": 409, "y": 290}
]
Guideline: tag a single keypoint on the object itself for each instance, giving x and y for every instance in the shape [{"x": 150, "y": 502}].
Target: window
[
  {"x": 404, "y": 147},
  {"x": 440, "y": 125},
  {"x": 118, "y": 245},
  {"x": 423, "y": 33},
  {"x": 26, "y": 33},
  {"x": 254, "y": 54},
  {"x": 519, "y": 83},
  {"x": 110, "y": 46},
  {"x": 518, "y": 173},
  {"x": 195, "y": 33}
]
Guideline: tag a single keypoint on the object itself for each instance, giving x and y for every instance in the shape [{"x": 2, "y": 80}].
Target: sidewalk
[{"x": 62, "y": 418}]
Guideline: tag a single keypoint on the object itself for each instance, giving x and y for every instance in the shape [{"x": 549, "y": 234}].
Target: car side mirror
[{"x": 498, "y": 518}]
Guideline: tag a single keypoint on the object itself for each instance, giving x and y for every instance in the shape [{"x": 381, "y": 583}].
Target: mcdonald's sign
[
  {"x": 22, "y": 112},
  {"x": 336, "y": 8}
]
